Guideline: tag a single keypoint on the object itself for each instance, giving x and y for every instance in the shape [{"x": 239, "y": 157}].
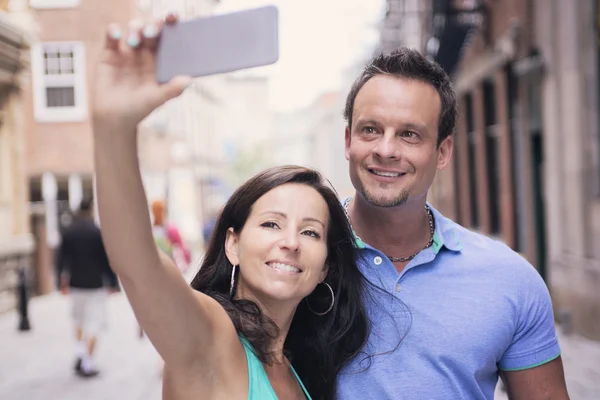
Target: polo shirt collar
[{"x": 444, "y": 234}]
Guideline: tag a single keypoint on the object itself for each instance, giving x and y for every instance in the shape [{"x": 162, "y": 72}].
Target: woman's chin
[{"x": 280, "y": 294}]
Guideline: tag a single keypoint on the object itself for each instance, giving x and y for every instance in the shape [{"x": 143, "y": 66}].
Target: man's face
[{"x": 392, "y": 145}]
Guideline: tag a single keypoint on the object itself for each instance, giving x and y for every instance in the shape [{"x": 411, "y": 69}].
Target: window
[
  {"x": 471, "y": 151},
  {"x": 456, "y": 154},
  {"x": 59, "y": 82},
  {"x": 493, "y": 163},
  {"x": 54, "y": 3},
  {"x": 517, "y": 183}
]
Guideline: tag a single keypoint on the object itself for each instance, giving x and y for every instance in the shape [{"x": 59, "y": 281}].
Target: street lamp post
[{"x": 23, "y": 298}]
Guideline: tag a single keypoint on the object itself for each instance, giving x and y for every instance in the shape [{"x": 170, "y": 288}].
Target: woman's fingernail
[
  {"x": 115, "y": 32},
  {"x": 149, "y": 31},
  {"x": 171, "y": 15},
  {"x": 133, "y": 40}
]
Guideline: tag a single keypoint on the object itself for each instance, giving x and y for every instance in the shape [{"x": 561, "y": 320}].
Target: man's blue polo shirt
[{"x": 458, "y": 313}]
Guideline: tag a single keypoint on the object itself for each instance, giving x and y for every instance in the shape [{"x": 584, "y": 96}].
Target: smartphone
[{"x": 217, "y": 44}]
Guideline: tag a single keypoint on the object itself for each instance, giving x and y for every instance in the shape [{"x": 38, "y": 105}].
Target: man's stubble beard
[{"x": 398, "y": 200}]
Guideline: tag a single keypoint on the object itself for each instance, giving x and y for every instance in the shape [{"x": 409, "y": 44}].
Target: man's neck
[{"x": 399, "y": 231}]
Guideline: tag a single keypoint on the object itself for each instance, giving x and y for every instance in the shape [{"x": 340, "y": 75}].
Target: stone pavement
[{"x": 38, "y": 365}]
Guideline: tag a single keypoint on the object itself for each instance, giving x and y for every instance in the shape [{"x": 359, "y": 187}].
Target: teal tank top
[{"x": 259, "y": 387}]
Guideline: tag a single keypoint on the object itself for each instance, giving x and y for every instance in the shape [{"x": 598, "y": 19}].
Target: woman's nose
[{"x": 290, "y": 240}]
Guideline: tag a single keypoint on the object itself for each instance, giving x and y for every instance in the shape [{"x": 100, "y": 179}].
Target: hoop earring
[
  {"x": 232, "y": 284},
  {"x": 330, "y": 305}
]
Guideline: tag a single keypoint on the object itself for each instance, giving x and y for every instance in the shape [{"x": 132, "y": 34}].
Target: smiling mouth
[
  {"x": 386, "y": 174},
  {"x": 284, "y": 267}
]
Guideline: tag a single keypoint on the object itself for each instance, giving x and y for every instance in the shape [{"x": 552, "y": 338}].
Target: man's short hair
[{"x": 410, "y": 64}]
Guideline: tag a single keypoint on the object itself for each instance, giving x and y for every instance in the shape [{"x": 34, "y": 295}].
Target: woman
[{"x": 279, "y": 285}]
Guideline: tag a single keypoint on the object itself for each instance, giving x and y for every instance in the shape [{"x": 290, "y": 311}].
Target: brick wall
[{"x": 67, "y": 147}]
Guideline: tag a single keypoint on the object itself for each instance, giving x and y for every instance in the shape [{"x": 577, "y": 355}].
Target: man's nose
[{"x": 387, "y": 146}]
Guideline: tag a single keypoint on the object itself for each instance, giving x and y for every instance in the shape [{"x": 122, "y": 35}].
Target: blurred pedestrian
[
  {"x": 168, "y": 238},
  {"x": 208, "y": 228},
  {"x": 85, "y": 275}
]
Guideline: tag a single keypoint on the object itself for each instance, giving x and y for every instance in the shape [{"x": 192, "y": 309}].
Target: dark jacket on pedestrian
[{"x": 82, "y": 256}]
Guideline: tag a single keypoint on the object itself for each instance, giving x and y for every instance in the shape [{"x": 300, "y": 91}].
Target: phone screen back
[{"x": 218, "y": 44}]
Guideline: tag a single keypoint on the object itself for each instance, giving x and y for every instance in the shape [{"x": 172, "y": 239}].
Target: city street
[{"x": 38, "y": 365}]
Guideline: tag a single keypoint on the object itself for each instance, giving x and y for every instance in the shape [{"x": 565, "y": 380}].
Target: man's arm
[
  {"x": 111, "y": 277},
  {"x": 546, "y": 382},
  {"x": 62, "y": 264},
  {"x": 531, "y": 366}
]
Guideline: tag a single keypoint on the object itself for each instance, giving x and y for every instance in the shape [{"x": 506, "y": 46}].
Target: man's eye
[{"x": 369, "y": 129}]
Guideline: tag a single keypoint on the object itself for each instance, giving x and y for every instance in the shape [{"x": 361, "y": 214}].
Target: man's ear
[
  {"x": 444, "y": 153},
  {"x": 347, "y": 139},
  {"x": 232, "y": 247}
]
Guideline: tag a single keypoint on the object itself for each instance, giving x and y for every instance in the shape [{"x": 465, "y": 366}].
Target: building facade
[
  {"x": 525, "y": 168},
  {"x": 196, "y": 149},
  {"x": 69, "y": 36},
  {"x": 313, "y": 136},
  {"x": 16, "y": 242},
  {"x": 404, "y": 24}
]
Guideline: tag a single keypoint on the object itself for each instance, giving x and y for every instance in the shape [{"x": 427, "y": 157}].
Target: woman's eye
[
  {"x": 312, "y": 233},
  {"x": 269, "y": 224}
]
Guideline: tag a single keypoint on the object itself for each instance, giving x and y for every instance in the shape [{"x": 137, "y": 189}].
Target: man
[
  {"x": 83, "y": 272},
  {"x": 463, "y": 308}
]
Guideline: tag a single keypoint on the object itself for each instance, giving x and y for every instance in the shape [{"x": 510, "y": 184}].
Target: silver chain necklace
[{"x": 398, "y": 259}]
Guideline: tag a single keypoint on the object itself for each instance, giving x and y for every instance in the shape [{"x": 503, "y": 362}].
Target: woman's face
[{"x": 282, "y": 248}]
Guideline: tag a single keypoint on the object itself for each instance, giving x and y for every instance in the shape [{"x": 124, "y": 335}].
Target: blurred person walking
[
  {"x": 85, "y": 275},
  {"x": 209, "y": 227},
  {"x": 168, "y": 238}
]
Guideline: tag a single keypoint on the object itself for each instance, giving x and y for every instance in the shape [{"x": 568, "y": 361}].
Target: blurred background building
[
  {"x": 16, "y": 243},
  {"x": 59, "y": 148},
  {"x": 526, "y": 165},
  {"x": 526, "y": 168},
  {"x": 192, "y": 152},
  {"x": 526, "y": 151}
]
